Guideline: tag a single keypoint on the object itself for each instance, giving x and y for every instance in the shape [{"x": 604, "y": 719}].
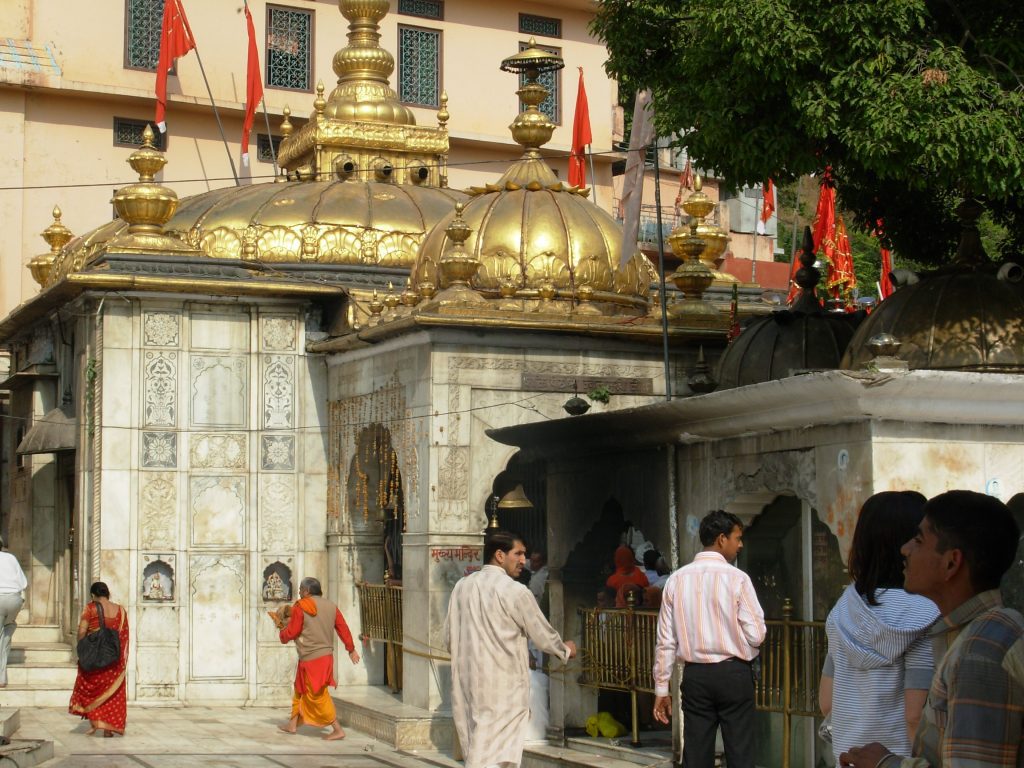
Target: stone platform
[{"x": 382, "y": 715}]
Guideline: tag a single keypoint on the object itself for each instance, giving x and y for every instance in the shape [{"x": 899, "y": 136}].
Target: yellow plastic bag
[{"x": 603, "y": 724}]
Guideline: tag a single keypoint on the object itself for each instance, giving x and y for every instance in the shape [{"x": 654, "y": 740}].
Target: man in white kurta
[{"x": 490, "y": 617}]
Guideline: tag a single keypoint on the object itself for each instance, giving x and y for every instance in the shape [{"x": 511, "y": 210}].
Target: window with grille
[
  {"x": 289, "y": 48},
  {"x": 128, "y": 133},
  {"x": 263, "y": 153},
  {"x": 552, "y": 105},
  {"x": 539, "y": 25},
  {"x": 428, "y": 9},
  {"x": 419, "y": 66},
  {"x": 143, "y": 21}
]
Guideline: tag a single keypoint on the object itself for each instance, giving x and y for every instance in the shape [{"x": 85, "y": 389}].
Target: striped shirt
[
  {"x": 709, "y": 613},
  {"x": 974, "y": 717},
  {"x": 875, "y": 654}
]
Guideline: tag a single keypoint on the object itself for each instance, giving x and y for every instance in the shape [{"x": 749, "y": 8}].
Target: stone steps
[
  {"x": 30, "y": 696},
  {"x": 40, "y": 653},
  {"x": 22, "y": 753},
  {"x": 43, "y": 675},
  {"x": 31, "y": 634},
  {"x": 377, "y": 713}
]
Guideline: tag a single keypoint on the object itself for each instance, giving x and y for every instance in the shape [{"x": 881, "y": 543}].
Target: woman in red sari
[{"x": 100, "y": 695}]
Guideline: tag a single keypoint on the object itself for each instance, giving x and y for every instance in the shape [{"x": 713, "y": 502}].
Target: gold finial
[
  {"x": 391, "y": 298},
  {"x": 409, "y": 297},
  {"x": 147, "y": 205},
  {"x": 286, "y": 124},
  {"x": 442, "y": 113},
  {"x": 532, "y": 128},
  {"x": 457, "y": 267},
  {"x": 56, "y": 236},
  {"x": 692, "y": 277},
  {"x": 376, "y": 307},
  {"x": 319, "y": 103}
]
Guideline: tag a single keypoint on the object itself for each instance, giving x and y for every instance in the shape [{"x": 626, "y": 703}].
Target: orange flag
[
  {"x": 841, "y": 280},
  {"x": 581, "y": 137},
  {"x": 253, "y": 86},
  {"x": 175, "y": 40},
  {"x": 885, "y": 287},
  {"x": 825, "y": 215},
  {"x": 768, "y": 207}
]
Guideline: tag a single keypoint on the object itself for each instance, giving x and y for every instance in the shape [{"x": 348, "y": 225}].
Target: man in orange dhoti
[{"x": 312, "y": 625}]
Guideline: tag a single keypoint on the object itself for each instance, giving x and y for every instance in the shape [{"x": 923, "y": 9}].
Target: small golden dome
[{"x": 535, "y": 237}]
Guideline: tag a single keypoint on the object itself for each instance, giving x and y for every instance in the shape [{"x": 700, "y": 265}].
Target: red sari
[{"x": 100, "y": 695}]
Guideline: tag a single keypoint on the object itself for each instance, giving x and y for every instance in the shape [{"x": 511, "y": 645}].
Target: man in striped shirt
[
  {"x": 711, "y": 621},
  {"x": 974, "y": 715}
]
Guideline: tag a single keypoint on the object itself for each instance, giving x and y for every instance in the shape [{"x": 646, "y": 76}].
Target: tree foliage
[{"x": 913, "y": 103}]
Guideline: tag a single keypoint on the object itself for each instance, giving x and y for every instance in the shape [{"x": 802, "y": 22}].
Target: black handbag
[{"x": 99, "y": 649}]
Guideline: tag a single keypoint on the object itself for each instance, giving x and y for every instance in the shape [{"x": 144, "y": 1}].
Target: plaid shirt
[{"x": 975, "y": 711}]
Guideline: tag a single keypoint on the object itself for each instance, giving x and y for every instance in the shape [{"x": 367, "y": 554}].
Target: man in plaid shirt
[{"x": 974, "y": 716}]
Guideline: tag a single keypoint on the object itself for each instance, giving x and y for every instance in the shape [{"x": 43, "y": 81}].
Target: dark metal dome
[
  {"x": 788, "y": 341},
  {"x": 963, "y": 319}
]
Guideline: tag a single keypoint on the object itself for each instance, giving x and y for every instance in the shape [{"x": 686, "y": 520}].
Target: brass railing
[
  {"x": 380, "y": 616},
  {"x": 617, "y": 653}
]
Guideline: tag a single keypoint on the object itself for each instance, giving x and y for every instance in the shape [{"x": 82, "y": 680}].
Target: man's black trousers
[{"x": 713, "y": 695}]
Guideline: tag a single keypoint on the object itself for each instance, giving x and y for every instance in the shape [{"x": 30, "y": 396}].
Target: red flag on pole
[
  {"x": 885, "y": 286},
  {"x": 841, "y": 280},
  {"x": 825, "y": 215},
  {"x": 768, "y": 207},
  {"x": 253, "y": 86},
  {"x": 794, "y": 289},
  {"x": 581, "y": 137},
  {"x": 175, "y": 40}
]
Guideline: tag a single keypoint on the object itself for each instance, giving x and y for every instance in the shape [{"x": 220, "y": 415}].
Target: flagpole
[
  {"x": 202, "y": 69},
  {"x": 270, "y": 139},
  {"x": 661, "y": 269},
  {"x": 593, "y": 176}
]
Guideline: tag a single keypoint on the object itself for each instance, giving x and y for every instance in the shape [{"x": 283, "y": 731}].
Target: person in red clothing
[
  {"x": 626, "y": 572},
  {"x": 312, "y": 625}
]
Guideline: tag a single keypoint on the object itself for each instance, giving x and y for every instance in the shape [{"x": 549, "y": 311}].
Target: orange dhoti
[{"x": 311, "y": 699}]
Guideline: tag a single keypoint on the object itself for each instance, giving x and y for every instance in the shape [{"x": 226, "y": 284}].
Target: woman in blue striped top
[{"x": 879, "y": 664}]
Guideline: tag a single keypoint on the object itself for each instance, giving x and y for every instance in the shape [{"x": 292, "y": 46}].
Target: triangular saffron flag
[
  {"x": 175, "y": 41},
  {"x": 825, "y": 215},
  {"x": 841, "y": 279},
  {"x": 581, "y": 137},
  {"x": 253, "y": 86}
]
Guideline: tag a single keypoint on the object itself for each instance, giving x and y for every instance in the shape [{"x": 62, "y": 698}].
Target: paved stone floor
[{"x": 201, "y": 737}]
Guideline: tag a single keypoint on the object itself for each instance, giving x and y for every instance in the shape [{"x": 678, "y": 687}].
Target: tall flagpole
[
  {"x": 593, "y": 176},
  {"x": 661, "y": 268},
  {"x": 216, "y": 114},
  {"x": 270, "y": 139}
]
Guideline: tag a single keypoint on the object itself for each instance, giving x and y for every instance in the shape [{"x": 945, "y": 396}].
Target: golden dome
[
  {"x": 537, "y": 239},
  {"x": 338, "y": 222}
]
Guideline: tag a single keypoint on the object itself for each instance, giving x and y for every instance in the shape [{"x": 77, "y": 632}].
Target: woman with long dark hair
[
  {"x": 99, "y": 695},
  {"x": 879, "y": 664}
]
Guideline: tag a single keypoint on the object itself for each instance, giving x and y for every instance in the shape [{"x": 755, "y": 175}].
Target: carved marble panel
[
  {"x": 158, "y": 510},
  {"x": 218, "y": 451},
  {"x": 453, "y": 475},
  {"x": 277, "y": 586},
  {"x": 160, "y": 692},
  {"x": 275, "y": 665},
  {"x": 159, "y": 449},
  {"x": 218, "y": 391},
  {"x": 277, "y": 452},
  {"x": 278, "y": 391},
  {"x": 160, "y": 389},
  {"x": 219, "y": 330},
  {"x": 278, "y": 333},
  {"x": 160, "y": 329},
  {"x": 277, "y": 513},
  {"x": 157, "y": 624},
  {"x": 157, "y": 665},
  {"x": 217, "y": 620},
  {"x": 217, "y": 511}
]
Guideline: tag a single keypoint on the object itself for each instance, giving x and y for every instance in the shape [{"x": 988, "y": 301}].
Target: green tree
[{"x": 913, "y": 103}]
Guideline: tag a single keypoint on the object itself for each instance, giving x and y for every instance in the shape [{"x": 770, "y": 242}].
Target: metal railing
[
  {"x": 617, "y": 653},
  {"x": 380, "y": 616}
]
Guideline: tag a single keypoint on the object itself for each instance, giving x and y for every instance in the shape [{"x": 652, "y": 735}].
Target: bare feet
[
  {"x": 289, "y": 728},
  {"x": 108, "y": 734},
  {"x": 336, "y": 734},
  {"x": 90, "y": 732}
]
